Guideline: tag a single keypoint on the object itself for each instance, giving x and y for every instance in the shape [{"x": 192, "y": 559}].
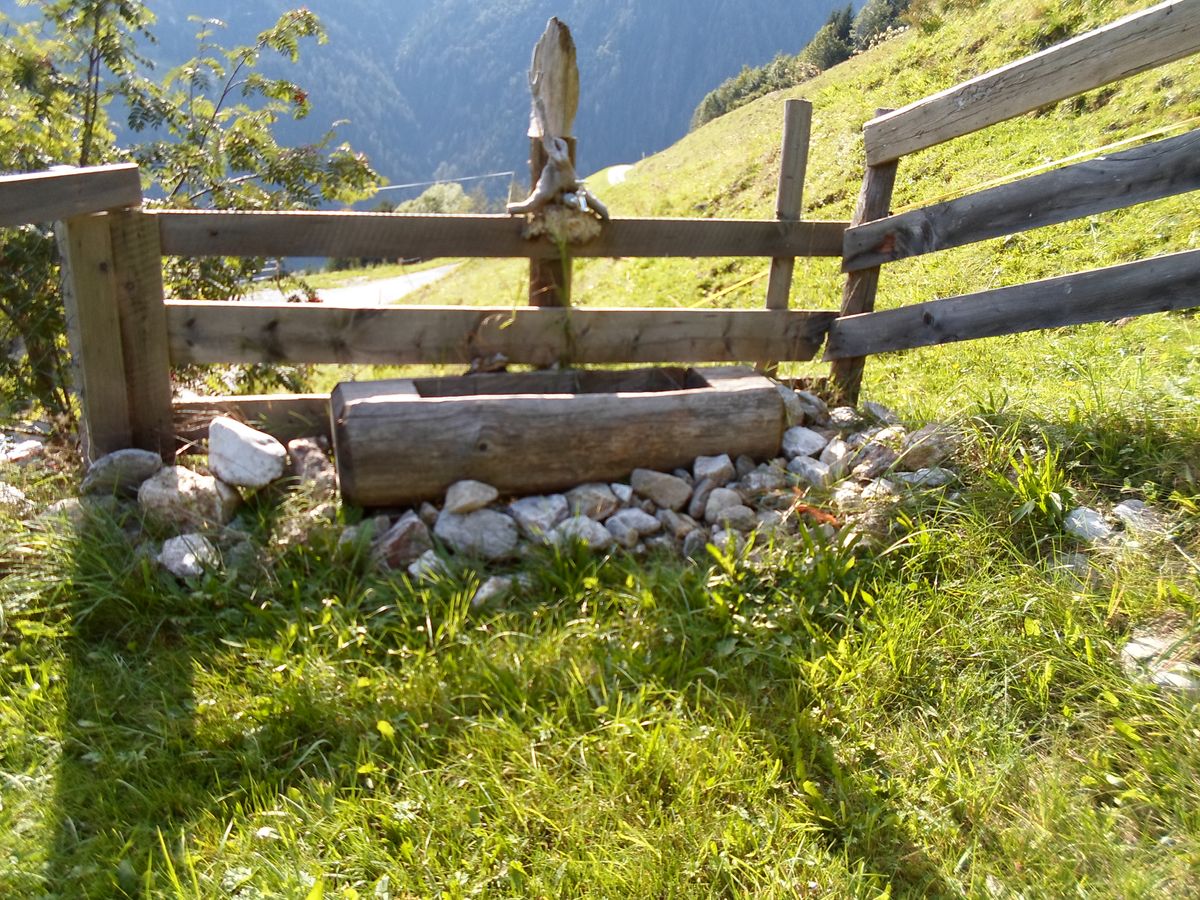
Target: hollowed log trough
[{"x": 402, "y": 441}]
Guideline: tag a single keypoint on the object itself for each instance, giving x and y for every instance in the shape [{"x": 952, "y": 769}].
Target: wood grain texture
[
  {"x": 1144, "y": 40},
  {"x": 65, "y": 193},
  {"x": 94, "y": 334},
  {"x": 1148, "y": 286},
  {"x": 549, "y": 278},
  {"x": 793, "y": 166},
  {"x": 204, "y": 332},
  {"x": 395, "y": 449},
  {"x": 283, "y": 416},
  {"x": 137, "y": 276},
  {"x": 858, "y": 293},
  {"x": 1156, "y": 170},
  {"x": 198, "y": 233}
]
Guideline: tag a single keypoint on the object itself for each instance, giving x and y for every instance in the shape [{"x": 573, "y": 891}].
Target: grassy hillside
[
  {"x": 942, "y": 717},
  {"x": 729, "y": 168}
]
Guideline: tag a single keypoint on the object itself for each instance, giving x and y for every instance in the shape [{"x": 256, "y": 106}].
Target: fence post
[
  {"x": 94, "y": 333},
  {"x": 858, "y": 295},
  {"x": 549, "y": 279},
  {"x": 137, "y": 269},
  {"x": 793, "y": 165}
]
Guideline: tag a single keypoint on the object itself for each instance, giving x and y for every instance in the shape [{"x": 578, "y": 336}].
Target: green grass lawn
[{"x": 940, "y": 716}]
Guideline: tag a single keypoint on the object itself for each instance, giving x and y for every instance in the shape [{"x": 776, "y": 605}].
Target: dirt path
[{"x": 367, "y": 293}]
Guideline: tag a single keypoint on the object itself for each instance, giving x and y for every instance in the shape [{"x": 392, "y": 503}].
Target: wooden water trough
[{"x": 403, "y": 441}]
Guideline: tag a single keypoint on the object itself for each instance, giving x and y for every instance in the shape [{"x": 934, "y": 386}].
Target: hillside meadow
[{"x": 940, "y": 715}]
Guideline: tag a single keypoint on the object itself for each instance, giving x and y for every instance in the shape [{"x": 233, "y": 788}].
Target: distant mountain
[{"x": 437, "y": 88}]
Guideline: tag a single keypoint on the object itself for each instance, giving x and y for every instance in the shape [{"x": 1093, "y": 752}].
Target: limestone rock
[
  {"x": 766, "y": 478},
  {"x": 121, "y": 472},
  {"x": 695, "y": 545},
  {"x": 429, "y": 565},
  {"x": 623, "y": 492},
  {"x": 14, "y": 501},
  {"x": 630, "y": 525},
  {"x": 428, "y": 513},
  {"x": 873, "y": 461},
  {"x": 879, "y": 413},
  {"x": 720, "y": 500},
  {"x": 881, "y": 491},
  {"x": 485, "y": 533},
  {"x": 684, "y": 475},
  {"x": 464, "y": 497},
  {"x": 494, "y": 589},
  {"x": 1087, "y": 525},
  {"x": 403, "y": 543},
  {"x": 811, "y": 471},
  {"x": 182, "y": 498},
  {"x": 677, "y": 524},
  {"x": 802, "y": 441},
  {"x": 929, "y": 446},
  {"x": 311, "y": 467},
  {"x": 845, "y": 418},
  {"x": 816, "y": 412},
  {"x": 738, "y": 518},
  {"x": 188, "y": 555},
  {"x": 596, "y": 501},
  {"x": 582, "y": 529},
  {"x": 935, "y": 477},
  {"x": 1140, "y": 518},
  {"x": 243, "y": 456},
  {"x": 744, "y": 465},
  {"x": 717, "y": 469},
  {"x": 537, "y": 516},
  {"x": 793, "y": 409},
  {"x": 837, "y": 455},
  {"x": 728, "y": 541},
  {"x": 666, "y": 491}
]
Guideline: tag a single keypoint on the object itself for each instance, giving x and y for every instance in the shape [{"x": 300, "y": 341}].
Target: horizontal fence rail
[
  {"x": 1148, "y": 286},
  {"x": 1161, "y": 169},
  {"x": 64, "y": 193},
  {"x": 208, "y": 332},
  {"x": 1141, "y": 41},
  {"x": 392, "y": 235}
]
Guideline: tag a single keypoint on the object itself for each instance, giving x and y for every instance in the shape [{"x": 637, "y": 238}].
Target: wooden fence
[
  {"x": 1153, "y": 37},
  {"x": 125, "y": 337}
]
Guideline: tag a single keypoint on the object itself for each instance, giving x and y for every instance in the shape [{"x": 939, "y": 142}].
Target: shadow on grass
[{"x": 143, "y": 762}]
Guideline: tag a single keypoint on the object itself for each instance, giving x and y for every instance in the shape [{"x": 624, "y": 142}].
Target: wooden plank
[
  {"x": 65, "y": 193},
  {"x": 203, "y": 332},
  {"x": 283, "y": 416},
  {"x": 858, "y": 294},
  {"x": 435, "y": 441},
  {"x": 550, "y": 278},
  {"x": 94, "y": 334},
  {"x": 202, "y": 233},
  {"x": 1144, "y": 40},
  {"x": 137, "y": 275},
  {"x": 1156, "y": 170},
  {"x": 1148, "y": 286},
  {"x": 797, "y": 129}
]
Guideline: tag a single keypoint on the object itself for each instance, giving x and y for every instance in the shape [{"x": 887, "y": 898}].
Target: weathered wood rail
[{"x": 126, "y": 336}]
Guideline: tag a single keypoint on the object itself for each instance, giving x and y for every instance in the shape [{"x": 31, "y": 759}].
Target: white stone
[
  {"x": 14, "y": 500},
  {"x": 1087, "y": 525},
  {"x": 678, "y": 525},
  {"x": 738, "y": 517},
  {"x": 700, "y": 494},
  {"x": 717, "y": 469},
  {"x": 180, "y": 497},
  {"x": 879, "y": 491},
  {"x": 811, "y": 471},
  {"x": 596, "y": 501},
  {"x": 873, "y": 460},
  {"x": 764, "y": 479},
  {"x": 630, "y": 525},
  {"x": 720, "y": 500},
  {"x": 495, "y": 588},
  {"x": 188, "y": 555},
  {"x": 485, "y": 533},
  {"x": 243, "y": 456},
  {"x": 582, "y": 529},
  {"x": 848, "y": 495},
  {"x": 802, "y": 441},
  {"x": 23, "y": 451},
  {"x": 769, "y": 521},
  {"x": 120, "y": 472},
  {"x": 845, "y": 418},
  {"x": 1139, "y": 517},
  {"x": 928, "y": 446},
  {"x": 695, "y": 544},
  {"x": 403, "y": 543},
  {"x": 464, "y": 497},
  {"x": 793, "y": 409},
  {"x": 934, "y": 477},
  {"x": 684, "y": 475},
  {"x": 816, "y": 412},
  {"x": 537, "y": 516},
  {"x": 666, "y": 491},
  {"x": 837, "y": 455},
  {"x": 429, "y": 565},
  {"x": 622, "y": 492},
  {"x": 879, "y": 413},
  {"x": 1179, "y": 678},
  {"x": 729, "y": 541}
]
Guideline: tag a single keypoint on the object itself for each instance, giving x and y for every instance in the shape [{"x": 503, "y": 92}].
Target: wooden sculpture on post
[{"x": 559, "y": 205}]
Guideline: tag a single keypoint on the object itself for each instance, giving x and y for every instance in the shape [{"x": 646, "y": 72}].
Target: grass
[{"x": 941, "y": 716}]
